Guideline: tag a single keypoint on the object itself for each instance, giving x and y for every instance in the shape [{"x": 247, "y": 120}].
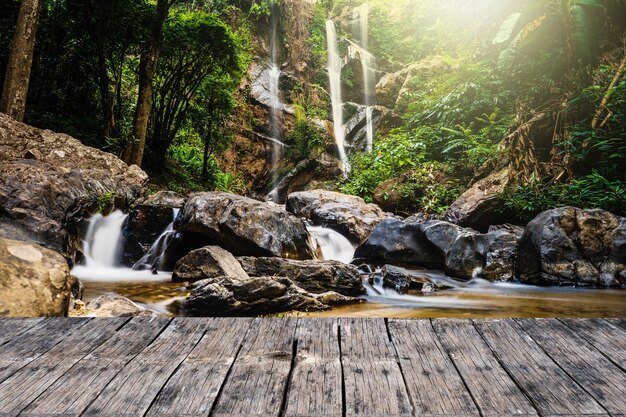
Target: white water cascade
[
  {"x": 334, "y": 76},
  {"x": 368, "y": 62},
  {"x": 103, "y": 241},
  {"x": 332, "y": 245},
  {"x": 155, "y": 257},
  {"x": 274, "y": 74},
  {"x": 102, "y": 249}
]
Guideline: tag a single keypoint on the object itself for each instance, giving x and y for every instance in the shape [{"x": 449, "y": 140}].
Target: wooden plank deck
[{"x": 312, "y": 367}]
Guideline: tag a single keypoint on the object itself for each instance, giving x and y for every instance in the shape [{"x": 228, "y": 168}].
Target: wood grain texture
[
  {"x": 584, "y": 363},
  {"x": 312, "y": 367},
  {"x": 134, "y": 388},
  {"x": 551, "y": 390},
  {"x": 193, "y": 389},
  {"x": 316, "y": 383},
  {"x": 258, "y": 380},
  {"x": 25, "y": 385},
  {"x": 374, "y": 385},
  {"x": 71, "y": 394},
  {"x": 433, "y": 382},
  {"x": 495, "y": 393}
]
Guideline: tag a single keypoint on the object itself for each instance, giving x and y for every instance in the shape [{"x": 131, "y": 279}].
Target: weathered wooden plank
[
  {"x": 551, "y": 390},
  {"x": 193, "y": 389},
  {"x": 618, "y": 322},
  {"x": 492, "y": 389},
  {"x": 604, "y": 336},
  {"x": 34, "y": 342},
  {"x": 592, "y": 370},
  {"x": 23, "y": 387},
  {"x": 71, "y": 394},
  {"x": 434, "y": 384},
  {"x": 316, "y": 382},
  {"x": 258, "y": 380},
  {"x": 374, "y": 385},
  {"x": 12, "y": 327},
  {"x": 134, "y": 388}
]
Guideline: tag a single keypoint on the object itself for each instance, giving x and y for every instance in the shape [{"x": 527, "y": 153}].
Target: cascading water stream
[
  {"x": 274, "y": 74},
  {"x": 102, "y": 249},
  {"x": 103, "y": 241},
  {"x": 332, "y": 245},
  {"x": 368, "y": 62},
  {"x": 154, "y": 259},
  {"x": 334, "y": 76}
]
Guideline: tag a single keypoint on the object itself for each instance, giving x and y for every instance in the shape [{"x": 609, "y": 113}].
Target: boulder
[
  {"x": 35, "y": 281},
  {"x": 480, "y": 206},
  {"x": 114, "y": 305},
  {"x": 462, "y": 252},
  {"x": 244, "y": 226},
  {"x": 417, "y": 243},
  {"x": 347, "y": 214},
  {"x": 490, "y": 255},
  {"x": 571, "y": 246},
  {"x": 313, "y": 276},
  {"x": 229, "y": 296},
  {"x": 147, "y": 221},
  {"x": 207, "y": 262},
  {"x": 50, "y": 181}
]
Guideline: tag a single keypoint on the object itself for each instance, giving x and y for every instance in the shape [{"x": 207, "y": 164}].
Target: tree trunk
[
  {"x": 17, "y": 78},
  {"x": 147, "y": 70},
  {"x": 208, "y": 139}
]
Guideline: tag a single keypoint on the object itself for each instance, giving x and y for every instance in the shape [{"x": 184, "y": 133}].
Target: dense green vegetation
[
  {"x": 85, "y": 78},
  {"x": 533, "y": 86},
  {"x": 485, "y": 69}
]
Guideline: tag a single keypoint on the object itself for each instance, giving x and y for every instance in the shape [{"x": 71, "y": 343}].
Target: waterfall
[
  {"x": 368, "y": 62},
  {"x": 274, "y": 74},
  {"x": 102, "y": 245},
  {"x": 334, "y": 76},
  {"x": 102, "y": 249},
  {"x": 332, "y": 245},
  {"x": 155, "y": 257}
]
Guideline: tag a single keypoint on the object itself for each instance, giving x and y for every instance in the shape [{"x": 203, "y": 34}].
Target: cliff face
[{"x": 286, "y": 119}]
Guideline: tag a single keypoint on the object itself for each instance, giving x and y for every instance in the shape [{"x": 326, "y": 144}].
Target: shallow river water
[
  {"x": 480, "y": 300},
  {"x": 101, "y": 274}
]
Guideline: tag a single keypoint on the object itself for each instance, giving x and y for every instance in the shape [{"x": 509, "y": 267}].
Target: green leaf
[{"x": 506, "y": 29}]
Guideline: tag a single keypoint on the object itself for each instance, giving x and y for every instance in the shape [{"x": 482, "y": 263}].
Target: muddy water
[{"x": 479, "y": 300}]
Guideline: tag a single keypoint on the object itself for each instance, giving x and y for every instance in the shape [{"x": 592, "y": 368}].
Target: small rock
[
  {"x": 114, "y": 305},
  {"x": 207, "y": 262}
]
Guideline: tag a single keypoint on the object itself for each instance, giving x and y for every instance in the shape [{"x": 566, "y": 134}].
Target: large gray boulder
[
  {"x": 490, "y": 255},
  {"x": 571, "y": 246},
  {"x": 244, "y": 226},
  {"x": 313, "y": 276},
  {"x": 347, "y": 214},
  {"x": 463, "y": 253},
  {"x": 480, "y": 206},
  {"x": 35, "y": 281},
  {"x": 230, "y": 296},
  {"x": 411, "y": 242},
  {"x": 50, "y": 181}
]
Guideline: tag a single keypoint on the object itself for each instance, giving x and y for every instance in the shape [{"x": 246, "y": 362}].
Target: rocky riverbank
[{"x": 238, "y": 256}]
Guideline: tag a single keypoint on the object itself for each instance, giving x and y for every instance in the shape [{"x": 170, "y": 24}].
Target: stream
[{"x": 478, "y": 298}]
